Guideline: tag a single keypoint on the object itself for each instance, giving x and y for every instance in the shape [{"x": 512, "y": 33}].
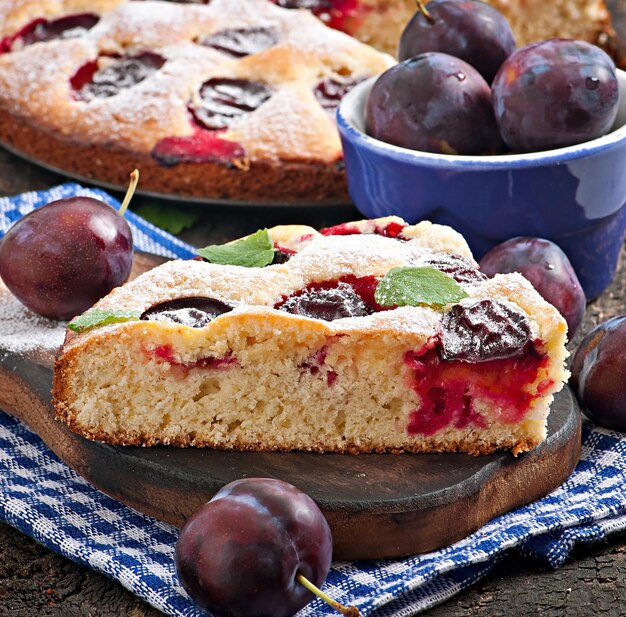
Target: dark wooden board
[{"x": 377, "y": 505}]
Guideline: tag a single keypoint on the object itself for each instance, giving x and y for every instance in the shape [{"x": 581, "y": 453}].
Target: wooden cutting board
[{"x": 377, "y": 505}]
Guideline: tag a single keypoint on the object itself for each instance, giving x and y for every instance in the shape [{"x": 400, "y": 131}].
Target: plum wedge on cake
[{"x": 373, "y": 336}]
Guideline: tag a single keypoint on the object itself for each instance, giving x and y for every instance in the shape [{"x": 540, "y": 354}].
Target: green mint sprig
[
  {"x": 255, "y": 251},
  {"x": 96, "y": 318},
  {"x": 412, "y": 286}
]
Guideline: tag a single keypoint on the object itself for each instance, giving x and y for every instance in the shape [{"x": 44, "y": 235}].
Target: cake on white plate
[{"x": 372, "y": 336}]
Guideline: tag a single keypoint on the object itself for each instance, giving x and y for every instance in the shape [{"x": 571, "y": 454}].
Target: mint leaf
[
  {"x": 96, "y": 318},
  {"x": 169, "y": 217},
  {"x": 413, "y": 286},
  {"x": 255, "y": 251}
]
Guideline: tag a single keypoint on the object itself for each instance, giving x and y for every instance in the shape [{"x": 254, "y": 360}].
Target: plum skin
[
  {"x": 599, "y": 374},
  {"x": 238, "y": 555},
  {"x": 549, "y": 270},
  {"x": 433, "y": 103},
  {"x": 554, "y": 94},
  {"x": 467, "y": 29},
  {"x": 62, "y": 258}
]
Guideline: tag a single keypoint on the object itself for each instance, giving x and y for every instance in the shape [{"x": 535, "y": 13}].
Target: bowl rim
[{"x": 351, "y": 132}]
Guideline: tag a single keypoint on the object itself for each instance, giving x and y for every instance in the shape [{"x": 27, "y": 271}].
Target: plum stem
[
  {"x": 424, "y": 11},
  {"x": 347, "y": 611},
  {"x": 134, "y": 179}
]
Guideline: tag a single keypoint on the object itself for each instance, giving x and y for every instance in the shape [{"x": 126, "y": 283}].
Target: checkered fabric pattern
[{"x": 45, "y": 499}]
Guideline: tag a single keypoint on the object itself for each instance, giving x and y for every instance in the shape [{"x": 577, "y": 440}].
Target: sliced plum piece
[
  {"x": 116, "y": 74},
  {"x": 484, "y": 330},
  {"x": 193, "y": 312},
  {"x": 327, "y": 303},
  {"x": 224, "y": 100},
  {"x": 240, "y": 42},
  {"x": 42, "y": 30}
]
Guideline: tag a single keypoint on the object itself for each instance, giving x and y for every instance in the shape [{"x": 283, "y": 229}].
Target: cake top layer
[
  {"x": 329, "y": 281},
  {"x": 261, "y": 81}
]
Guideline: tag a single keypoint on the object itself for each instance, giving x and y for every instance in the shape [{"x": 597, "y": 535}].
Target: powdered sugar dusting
[{"x": 26, "y": 333}]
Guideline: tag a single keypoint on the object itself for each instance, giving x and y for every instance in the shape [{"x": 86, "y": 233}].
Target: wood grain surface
[{"x": 36, "y": 582}]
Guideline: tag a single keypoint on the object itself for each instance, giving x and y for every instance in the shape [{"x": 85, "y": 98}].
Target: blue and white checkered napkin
[{"x": 45, "y": 499}]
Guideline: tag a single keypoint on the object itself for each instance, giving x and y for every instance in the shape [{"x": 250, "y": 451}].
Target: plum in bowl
[{"x": 574, "y": 195}]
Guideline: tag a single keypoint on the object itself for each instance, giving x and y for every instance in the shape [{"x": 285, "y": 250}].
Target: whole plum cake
[
  {"x": 228, "y": 99},
  {"x": 372, "y": 336}
]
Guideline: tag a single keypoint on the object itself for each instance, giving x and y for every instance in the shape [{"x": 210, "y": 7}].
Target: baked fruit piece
[
  {"x": 299, "y": 354},
  {"x": 229, "y": 100}
]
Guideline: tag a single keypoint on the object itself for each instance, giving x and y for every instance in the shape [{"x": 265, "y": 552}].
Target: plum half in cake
[{"x": 307, "y": 353}]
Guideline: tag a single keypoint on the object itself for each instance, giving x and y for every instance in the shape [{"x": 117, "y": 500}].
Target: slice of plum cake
[{"x": 373, "y": 336}]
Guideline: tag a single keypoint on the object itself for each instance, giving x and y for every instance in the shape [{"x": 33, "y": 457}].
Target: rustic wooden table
[{"x": 35, "y": 581}]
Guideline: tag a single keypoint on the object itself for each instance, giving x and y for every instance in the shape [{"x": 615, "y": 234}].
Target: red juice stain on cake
[
  {"x": 284, "y": 249},
  {"x": 390, "y": 230},
  {"x": 305, "y": 238},
  {"x": 316, "y": 362},
  {"x": 165, "y": 353},
  {"x": 484, "y": 352},
  {"x": 83, "y": 75},
  {"x": 41, "y": 30},
  {"x": 448, "y": 388},
  {"x": 201, "y": 146}
]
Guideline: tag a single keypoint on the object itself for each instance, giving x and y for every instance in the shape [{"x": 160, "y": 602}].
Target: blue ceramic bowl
[{"x": 574, "y": 196}]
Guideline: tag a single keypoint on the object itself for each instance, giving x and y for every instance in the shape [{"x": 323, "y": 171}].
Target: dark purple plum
[
  {"x": 239, "y": 554},
  {"x": 327, "y": 304},
  {"x": 547, "y": 267},
  {"x": 554, "y": 94},
  {"x": 63, "y": 257},
  {"x": 468, "y": 29},
  {"x": 599, "y": 374},
  {"x": 224, "y": 100},
  {"x": 434, "y": 103},
  {"x": 195, "y": 312}
]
